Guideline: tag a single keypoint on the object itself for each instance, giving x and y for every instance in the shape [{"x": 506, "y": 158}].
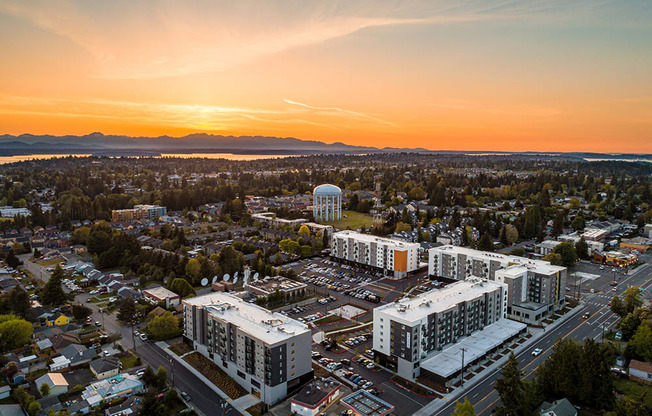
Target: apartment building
[
  {"x": 392, "y": 257},
  {"x": 408, "y": 332},
  {"x": 536, "y": 288},
  {"x": 139, "y": 212},
  {"x": 265, "y": 352}
]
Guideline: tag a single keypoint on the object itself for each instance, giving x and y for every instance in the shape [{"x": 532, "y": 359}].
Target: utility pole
[{"x": 463, "y": 351}]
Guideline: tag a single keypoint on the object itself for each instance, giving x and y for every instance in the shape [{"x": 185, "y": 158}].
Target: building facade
[
  {"x": 392, "y": 257},
  {"x": 405, "y": 332},
  {"x": 536, "y": 288},
  {"x": 139, "y": 212},
  {"x": 159, "y": 293},
  {"x": 265, "y": 352},
  {"x": 327, "y": 203}
]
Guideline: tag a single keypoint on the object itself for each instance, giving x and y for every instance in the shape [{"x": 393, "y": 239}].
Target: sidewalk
[
  {"x": 241, "y": 404},
  {"x": 432, "y": 407}
]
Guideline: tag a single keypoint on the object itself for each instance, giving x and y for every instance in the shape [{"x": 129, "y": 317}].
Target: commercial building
[
  {"x": 616, "y": 258},
  {"x": 157, "y": 294},
  {"x": 574, "y": 238},
  {"x": 409, "y": 332},
  {"x": 636, "y": 244},
  {"x": 314, "y": 397},
  {"x": 266, "y": 352},
  {"x": 392, "y": 257},
  {"x": 647, "y": 230},
  {"x": 287, "y": 287},
  {"x": 327, "y": 203},
  {"x": 363, "y": 403},
  {"x": 536, "y": 288},
  {"x": 139, "y": 212}
]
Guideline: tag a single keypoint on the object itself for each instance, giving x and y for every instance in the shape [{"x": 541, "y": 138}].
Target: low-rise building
[
  {"x": 266, "y": 352},
  {"x": 104, "y": 391},
  {"x": 287, "y": 287},
  {"x": 314, "y": 397},
  {"x": 56, "y": 381},
  {"x": 636, "y": 244},
  {"x": 640, "y": 371},
  {"x": 105, "y": 367},
  {"x": 159, "y": 294},
  {"x": 391, "y": 257}
]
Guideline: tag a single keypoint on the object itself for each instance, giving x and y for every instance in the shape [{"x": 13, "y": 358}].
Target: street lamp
[
  {"x": 463, "y": 351},
  {"x": 171, "y": 371}
]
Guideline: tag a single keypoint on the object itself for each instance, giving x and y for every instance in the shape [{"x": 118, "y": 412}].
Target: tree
[
  {"x": 517, "y": 395},
  {"x": 464, "y": 408},
  {"x": 630, "y": 323},
  {"x": 193, "y": 270},
  {"x": 12, "y": 260},
  {"x": 517, "y": 251},
  {"x": 486, "y": 243},
  {"x": 17, "y": 302},
  {"x": 163, "y": 327},
  {"x": 632, "y": 298},
  {"x": 52, "y": 293},
  {"x": 596, "y": 384},
  {"x": 578, "y": 223},
  {"x": 553, "y": 258},
  {"x": 618, "y": 307},
  {"x": 640, "y": 346},
  {"x": 511, "y": 234},
  {"x": 401, "y": 226},
  {"x": 567, "y": 252},
  {"x": 81, "y": 312},
  {"x": 127, "y": 312},
  {"x": 181, "y": 287},
  {"x": 304, "y": 231},
  {"x": 582, "y": 249},
  {"x": 33, "y": 408},
  {"x": 14, "y": 332},
  {"x": 44, "y": 389}
]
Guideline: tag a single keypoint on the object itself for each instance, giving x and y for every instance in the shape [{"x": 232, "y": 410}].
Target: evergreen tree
[
  {"x": 12, "y": 260},
  {"x": 486, "y": 243},
  {"x": 582, "y": 249},
  {"x": 52, "y": 293},
  {"x": 127, "y": 312},
  {"x": 464, "y": 408},
  {"x": 517, "y": 395}
]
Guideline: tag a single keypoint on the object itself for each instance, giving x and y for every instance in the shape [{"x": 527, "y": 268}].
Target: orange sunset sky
[{"x": 548, "y": 75}]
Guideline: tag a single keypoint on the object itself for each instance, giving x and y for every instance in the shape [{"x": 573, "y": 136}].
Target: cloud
[
  {"x": 164, "y": 38},
  {"x": 340, "y": 110}
]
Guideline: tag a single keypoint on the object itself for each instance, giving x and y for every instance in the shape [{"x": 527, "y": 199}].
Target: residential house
[
  {"x": 57, "y": 319},
  {"x": 78, "y": 354},
  {"x": 103, "y": 391},
  {"x": 56, "y": 381},
  {"x": 561, "y": 407},
  {"x": 640, "y": 371},
  {"x": 105, "y": 367}
]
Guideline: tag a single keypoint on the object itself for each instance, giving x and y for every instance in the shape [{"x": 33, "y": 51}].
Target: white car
[
  {"x": 143, "y": 337},
  {"x": 537, "y": 351}
]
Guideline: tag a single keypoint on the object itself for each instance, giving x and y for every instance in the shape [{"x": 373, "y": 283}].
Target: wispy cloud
[
  {"x": 341, "y": 110},
  {"x": 163, "y": 38}
]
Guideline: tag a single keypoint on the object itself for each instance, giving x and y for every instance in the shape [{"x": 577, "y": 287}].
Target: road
[
  {"x": 483, "y": 396},
  {"x": 202, "y": 397}
]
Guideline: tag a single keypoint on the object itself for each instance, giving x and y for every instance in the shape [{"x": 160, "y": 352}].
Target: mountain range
[{"x": 113, "y": 145}]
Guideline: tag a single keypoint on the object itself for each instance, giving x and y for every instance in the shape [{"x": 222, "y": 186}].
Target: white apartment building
[
  {"x": 536, "y": 288},
  {"x": 392, "y": 257},
  {"x": 412, "y": 331},
  {"x": 266, "y": 352}
]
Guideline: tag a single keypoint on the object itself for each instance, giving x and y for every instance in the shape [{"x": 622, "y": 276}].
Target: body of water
[{"x": 229, "y": 156}]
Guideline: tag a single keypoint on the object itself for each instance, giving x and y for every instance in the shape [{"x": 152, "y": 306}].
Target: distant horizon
[{"x": 204, "y": 150}]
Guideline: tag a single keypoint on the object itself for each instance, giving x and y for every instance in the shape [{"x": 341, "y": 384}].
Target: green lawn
[
  {"x": 51, "y": 262},
  {"x": 633, "y": 389},
  {"x": 353, "y": 220},
  {"x": 128, "y": 361}
]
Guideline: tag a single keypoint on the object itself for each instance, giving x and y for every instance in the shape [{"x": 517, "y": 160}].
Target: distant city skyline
[{"x": 552, "y": 75}]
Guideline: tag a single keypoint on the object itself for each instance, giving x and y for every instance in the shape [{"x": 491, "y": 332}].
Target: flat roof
[
  {"x": 375, "y": 239},
  {"x": 314, "y": 392},
  {"x": 449, "y": 361},
  {"x": 364, "y": 403},
  {"x": 540, "y": 266},
  {"x": 439, "y": 300},
  {"x": 260, "y": 323},
  {"x": 270, "y": 284},
  {"x": 160, "y": 292}
]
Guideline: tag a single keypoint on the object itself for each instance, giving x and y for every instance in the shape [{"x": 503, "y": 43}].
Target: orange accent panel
[{"x": 400, "y": 261}]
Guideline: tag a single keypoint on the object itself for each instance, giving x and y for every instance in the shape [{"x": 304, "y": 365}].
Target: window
[{"x": 292, "y": 358}]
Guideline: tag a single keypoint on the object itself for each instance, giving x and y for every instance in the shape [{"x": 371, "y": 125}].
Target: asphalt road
[
  {"x": 483, "y": 396},
  {"x": 202, "y": 397}
]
